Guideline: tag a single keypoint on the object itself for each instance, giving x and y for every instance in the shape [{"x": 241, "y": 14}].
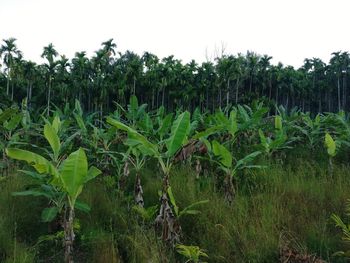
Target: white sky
[{"x": 288, "y": 30}]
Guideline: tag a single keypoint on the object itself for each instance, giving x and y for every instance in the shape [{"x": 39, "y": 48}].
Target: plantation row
[
  {"x": 68, "y": 150},
  {"x": 111, "y": 76}
]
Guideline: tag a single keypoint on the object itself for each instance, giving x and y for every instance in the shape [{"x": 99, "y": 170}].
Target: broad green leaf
[
  {"x": 40, "y": 164},
  {"x": 134, "y": 135},
  {"x": 92, "y": 173},
  {"x": 208, "y": 132},
  {"x": 74, "y": 172},
  {"x": 33, "y": 193},
  {"x": 56, "y": 124},
  {"x": 80, "y": 123},
  {"x": 233, "y": 127},
  {"x": 179, "y": 132},
  {"x": 243, "y": 113},
  {"x": 278, "y": 122},
  {"x": 82, "y": 206},
  {"x": 242, "y": 163},
  {"x": 52, "y": 137},
  {"x": 133, "y": 107},
  {"x": 165, "y": 126},
  {"x": 263, "y": 138},
  {"x": 330, "y": 144},
  {"x": 224, "y": 155},
  {"x": 77, "y": 108},
  {"x": 13, "y": 122},
  {"x": 7, "y": 114},
  {"x": 189, "y": 211},
  {"x": 49, "y": 214}
]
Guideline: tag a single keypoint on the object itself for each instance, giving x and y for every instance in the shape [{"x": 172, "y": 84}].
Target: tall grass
[{"x": 297, "y": 198}]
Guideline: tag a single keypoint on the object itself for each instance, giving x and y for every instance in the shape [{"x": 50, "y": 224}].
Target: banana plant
[
  {"x": 164, "y": 152},
  {"x": 278, "y": 140},
  {"x": 65, "y": 179},
  {"x": 10, "y": 120},
  {"x": 331, "y": 146},
  {"x": 230, "y": 166},
  {"x": 191, "y": 253},
  {"x": 137, "y": 159}
]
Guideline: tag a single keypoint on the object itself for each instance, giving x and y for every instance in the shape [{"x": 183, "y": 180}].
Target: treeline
[{"x": 110, "y": 77}]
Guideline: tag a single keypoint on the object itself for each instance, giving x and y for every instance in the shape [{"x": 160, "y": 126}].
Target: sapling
[
  {"x": 230, "y": 166},
  {"x": 331, "y": 150},
  {"x": 137, "y": 159},
  {"x": 191, "y": 253}
]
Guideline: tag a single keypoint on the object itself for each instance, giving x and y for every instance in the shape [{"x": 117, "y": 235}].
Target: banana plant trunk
[
  {"x": 49, "y": 97},
  {"x": 138, "y": 191},
  {"x": 68, "y": 235},
  {"x": 229, "y": 189},
  {"x": 166, "y": 220},
  {"x": 330, "y": 167}
]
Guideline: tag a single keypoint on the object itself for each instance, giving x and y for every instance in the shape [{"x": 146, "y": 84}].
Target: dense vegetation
[
  {"x": 132, "y": 159},
  {"x": 237, "y": 185},
  {"x": 110, "y": 76}
]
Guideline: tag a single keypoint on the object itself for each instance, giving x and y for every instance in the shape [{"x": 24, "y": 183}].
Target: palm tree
[
  {"x": 49, "y": 53},
  {"x": 29, "y": 72},
  {"x": 63, "y": 77},
  {"x": 9, "y": 51},
  {"x": 150, "y": 62}
]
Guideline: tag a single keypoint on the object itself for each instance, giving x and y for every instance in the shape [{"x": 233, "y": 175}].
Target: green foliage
[
  {"x": 179, "y": 131},
  {"x": 345, "y": 230},
  {"x": 330, "y": 144},
  {"x": 225, "y": 157},
  {"x": 192, "y": 253}
]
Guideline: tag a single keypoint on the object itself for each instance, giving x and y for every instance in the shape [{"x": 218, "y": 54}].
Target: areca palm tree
[
  {"x": 49, "y": 53},
  {"x": 30, "y": 75},
  {"x": 9, "y": 51}
]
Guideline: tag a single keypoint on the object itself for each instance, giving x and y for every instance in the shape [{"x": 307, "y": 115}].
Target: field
[
  {"x": 128, "y": 158},
  {"x": 237, "y": 185}
]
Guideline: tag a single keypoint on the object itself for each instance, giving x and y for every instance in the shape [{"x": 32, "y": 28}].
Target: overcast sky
[{"x": 288, "y": 30}]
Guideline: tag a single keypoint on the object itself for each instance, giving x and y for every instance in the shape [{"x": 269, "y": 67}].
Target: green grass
[{"x": 297, "y": 198}]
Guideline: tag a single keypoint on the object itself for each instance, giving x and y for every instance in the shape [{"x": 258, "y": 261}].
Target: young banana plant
[
  {"x": 191, "y": 253},
  {"x": 280, "y": 140},
  {"x": 65, "y": 178},
  {"x": 137, "y": 159},
  {"x": 230, "y": 166},
  {"x": 164, "y": 152},
  {"x": 331, "y": 146},
  {"x": 9, "y": 134}
]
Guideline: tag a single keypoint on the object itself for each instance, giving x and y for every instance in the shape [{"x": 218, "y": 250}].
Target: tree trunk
[
  {"x": 344, "y": 91},
  {"x": 12, "y": 91},
  {"x": 237, "y": 87},
  {"x": 163, "y": 96},
  {"x": 228, "y": 93},
  {"x": 49, "y": 97},
  {"x": 338, "y": 85},
  {"x": 276, "y": 100},
  {"x": 8, "y": 84},
  {"x": 68, "y": 235},
  {"x": 30, "y": 95}
]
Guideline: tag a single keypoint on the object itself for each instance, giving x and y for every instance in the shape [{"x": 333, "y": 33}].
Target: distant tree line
[{"x": 110, "y": 77}]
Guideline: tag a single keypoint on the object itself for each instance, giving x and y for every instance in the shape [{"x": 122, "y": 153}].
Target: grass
[{"x": 297, "y": 198}]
